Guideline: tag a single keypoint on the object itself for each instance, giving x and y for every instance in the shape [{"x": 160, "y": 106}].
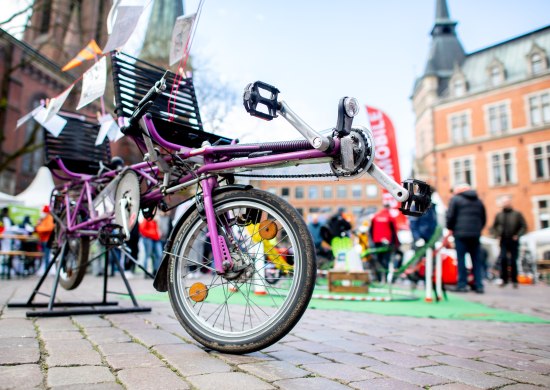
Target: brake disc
[{"x": 128, "y": 190}]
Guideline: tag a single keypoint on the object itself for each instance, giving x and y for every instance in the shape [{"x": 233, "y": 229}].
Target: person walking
[
  {"x": 383, "y": 232},
  {"x": 150, "y": 234},
  {"x": 466, "y": 218},
  {"x": 509, "y": 226},
  {"x": 44, "y": 229}
]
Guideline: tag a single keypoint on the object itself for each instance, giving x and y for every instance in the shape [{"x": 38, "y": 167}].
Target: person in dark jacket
[
  {"x": 466, "y": 218},
  {"x": 509, "y": 226}
]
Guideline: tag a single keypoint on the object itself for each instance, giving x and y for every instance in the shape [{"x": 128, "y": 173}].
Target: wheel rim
[{"x": 233, "y": 310}]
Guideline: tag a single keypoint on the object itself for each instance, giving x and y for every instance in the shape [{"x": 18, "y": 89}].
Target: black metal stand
[{"x": 102, "y": 307}]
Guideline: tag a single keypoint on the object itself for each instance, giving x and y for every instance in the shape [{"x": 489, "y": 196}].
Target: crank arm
[
  {"x": 397, "y": 191},
  {"x": 316, "y": 140},
  {"x": 123, "y": 205}
]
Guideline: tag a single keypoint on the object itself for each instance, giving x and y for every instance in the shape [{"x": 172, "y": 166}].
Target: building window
[
  {"x": 498, "y": 119},
  {"x": 542, "y": 212},
  {"x": 539, "y": 109},
  {"x": 460, "y": 128},
  {"x": 502, "y": 165},
  {"x": 313, "y": 192},
  {"x": 371, "y": 190},
  {"x": 459, "y": 88},
  {"x": 314, "y": 210},
  {"x": 327, "y": 192},
  {"x": 299, "y": 192},
  {"x": 495, "y": 75},
  {"x": 341, "y": 192},
  {"x": 541, "y": 161},
  {"x": 45, "y": 17},
  {"x": 356, "y": 192},
  {"x": 462, "y": 171},
  {"x": 537, "y": 64},
  {"x": 285, "y": 192}
]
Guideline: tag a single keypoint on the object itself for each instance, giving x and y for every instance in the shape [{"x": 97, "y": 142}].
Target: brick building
[{"x": 484, "y": 118}]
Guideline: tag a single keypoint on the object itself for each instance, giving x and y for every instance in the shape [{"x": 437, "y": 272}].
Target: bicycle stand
[{"x": 99, "y": 307}]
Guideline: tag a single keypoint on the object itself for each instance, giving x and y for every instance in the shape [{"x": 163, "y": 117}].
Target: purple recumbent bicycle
[{"x": 215, "y": 259}]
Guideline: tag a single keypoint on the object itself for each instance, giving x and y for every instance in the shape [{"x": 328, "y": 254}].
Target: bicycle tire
[
  {"x": 267, "y": 318},
  {"x": 75, "y": 256}
]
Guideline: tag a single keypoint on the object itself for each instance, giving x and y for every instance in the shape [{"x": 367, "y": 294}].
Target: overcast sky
[{"x": 318, "y": 51}]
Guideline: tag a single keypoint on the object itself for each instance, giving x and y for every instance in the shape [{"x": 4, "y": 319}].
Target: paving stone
[
  {"x": 62, "y": 353},
  {"x": 145, "y": 378},
  {"x": 469, "y": 364},
  {"x": 298, "y": 357},
  {"x": 469, "y": 377},
  {"x": 384, "y": 384},
  {"x": 152, "y": 337},
  {"x": 309, "y": 384},
  {"x": 351, "y": 359},
  {"x": 92, "y": 321},
  {"x": 126, "y": 360},
  {"x": 313, "y": 347},
  {"x": 55, "y": 323},
  {"x": 353, "y": 346},
  {"x": 108, "y": 349},
  {"x": 274, "y": 370},
  {"x": 406, "y": 348},
  {"x": 106, "y": 335},
  {"x": 71, "y": 376},
  {"x": 15, "y": 327},
  {"x": 399, "y": 359},
  {"x": 228, "y": 381},
  {"x": 21, "y": 376},
  {"x": 254, "y": 357},
  {"x": 408, "y": 375},
  {"x": 512, "y": 354},
  {"x": 190, "y": 360},
  {"x": 18, "y": 342},
  {"x": 90, "y": 386},
  {"x": 19, "y": 355},
  {"x": 51, "y": 334},
  {"x": 520, "y": 386},
  {"x": 453, "y": 386},
  {"x": 455, "y": 350},
  {"x": 536, "y": 351},
  {"x": 517, "y": 364},
  {"x": 526, "y": 377},
  {"x": 340, "y": 372}
]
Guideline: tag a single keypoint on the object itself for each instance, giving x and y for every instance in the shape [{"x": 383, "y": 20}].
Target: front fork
[{"x": 220, "y": 251}]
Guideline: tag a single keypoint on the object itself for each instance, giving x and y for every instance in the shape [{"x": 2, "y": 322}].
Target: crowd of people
[{"x": 465, "y": 220}]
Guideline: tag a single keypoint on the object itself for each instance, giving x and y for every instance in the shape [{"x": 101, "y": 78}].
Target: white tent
[
  {"x": 37, "y": 194},
  {"x": 6, "y": 200}
]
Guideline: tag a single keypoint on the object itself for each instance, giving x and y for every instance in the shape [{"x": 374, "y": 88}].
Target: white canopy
[
  {"x": 37, "y": 194},
  {"x": 6, "y": 199}
]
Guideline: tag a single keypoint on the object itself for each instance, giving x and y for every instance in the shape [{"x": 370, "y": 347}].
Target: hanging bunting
[
  {"x": 108, "y": 128},
  {"x": 55, "y": 103},
  {"x": 125, "y": 23},
  {"x": 21, "y": 121},
  {"x": 55, "y": 125},
  {"x": 93, "y": 83},
  {"x": 90, "y": 52},
  {"x": 180, "y": 37}
]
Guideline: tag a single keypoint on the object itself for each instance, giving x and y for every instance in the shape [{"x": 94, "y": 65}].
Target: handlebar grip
[{"x": 252, "y": 97}]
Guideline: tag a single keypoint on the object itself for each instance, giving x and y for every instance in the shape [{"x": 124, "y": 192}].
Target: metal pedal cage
[{"x": 99, "y": 307}]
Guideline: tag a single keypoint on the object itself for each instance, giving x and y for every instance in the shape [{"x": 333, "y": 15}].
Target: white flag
[
  {"x": 55, "y": 103},
  {"x": 55, "y": 125},
  {"x": 180, "y": 36},
  {"x": 93, "y": 83},
  {"x": 125, "y": 23},
  {"x": 107, "y": 123},
  {"x": 28, "y": 116}
]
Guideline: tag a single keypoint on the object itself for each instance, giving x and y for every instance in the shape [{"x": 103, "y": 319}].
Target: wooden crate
[{"x": 354, "y": 278}]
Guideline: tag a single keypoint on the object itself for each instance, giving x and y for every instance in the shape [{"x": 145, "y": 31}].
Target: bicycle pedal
[
  {"x": 111, "y": 235},
  {"x": 419, "y": 200}
]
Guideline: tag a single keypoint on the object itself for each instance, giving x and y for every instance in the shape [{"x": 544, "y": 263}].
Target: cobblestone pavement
[{"x": 326, "y": 350}]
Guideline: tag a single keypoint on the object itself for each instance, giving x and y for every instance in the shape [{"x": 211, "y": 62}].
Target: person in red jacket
[
  {"x": 44, "y": 229},
  {"x": 150, "y": 234},
  {"x": 383, "y": 232}
]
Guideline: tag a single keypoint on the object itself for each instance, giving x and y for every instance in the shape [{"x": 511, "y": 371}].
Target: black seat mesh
[
  {"x": 75, "y": 146},
  {"x": 132, "y": 78}
]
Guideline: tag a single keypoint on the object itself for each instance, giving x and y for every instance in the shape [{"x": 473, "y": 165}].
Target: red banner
[{"x": 386, "y": 157}]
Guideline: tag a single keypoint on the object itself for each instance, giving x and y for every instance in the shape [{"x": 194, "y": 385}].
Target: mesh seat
[
  {"x": 75, "y": 146},
  {"x": 132, "y": 78}
]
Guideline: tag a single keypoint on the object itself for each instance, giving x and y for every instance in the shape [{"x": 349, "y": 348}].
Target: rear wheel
[{"x": 240, "y": 311}]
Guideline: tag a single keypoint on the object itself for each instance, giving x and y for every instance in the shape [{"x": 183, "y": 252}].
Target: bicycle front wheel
[{"x": 239, "y": 311}]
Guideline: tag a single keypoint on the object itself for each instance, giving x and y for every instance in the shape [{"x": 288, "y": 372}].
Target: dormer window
[
  {"x": 457, "y": 85},
  {"x": 459, "y": 89},
  {"x": 495, "y": 72},
  {"x": 536, "y": 60}
]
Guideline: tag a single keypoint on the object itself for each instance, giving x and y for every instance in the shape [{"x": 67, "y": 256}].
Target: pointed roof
[{"x": 446, "y": 50}]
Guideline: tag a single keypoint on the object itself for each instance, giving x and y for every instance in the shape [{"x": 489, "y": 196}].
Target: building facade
[{"x": 484, "y": 118}]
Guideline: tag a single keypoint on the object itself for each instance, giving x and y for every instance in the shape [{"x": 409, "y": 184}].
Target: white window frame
[
  {"x": 462, "y": 159},
  {"x": 542, "y": 104},
  {"x": 507, "y": 115},
  {"x": 546, "y": 155},
  {"x": 513, "y": 165},
  {"x": 539, "y": 214},
  {"x": 466, "y": 135}
]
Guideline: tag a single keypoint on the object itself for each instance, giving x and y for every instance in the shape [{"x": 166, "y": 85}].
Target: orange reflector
[
  {"x": 198, "y": 292},
  {"x": 268, "y": 229}
]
